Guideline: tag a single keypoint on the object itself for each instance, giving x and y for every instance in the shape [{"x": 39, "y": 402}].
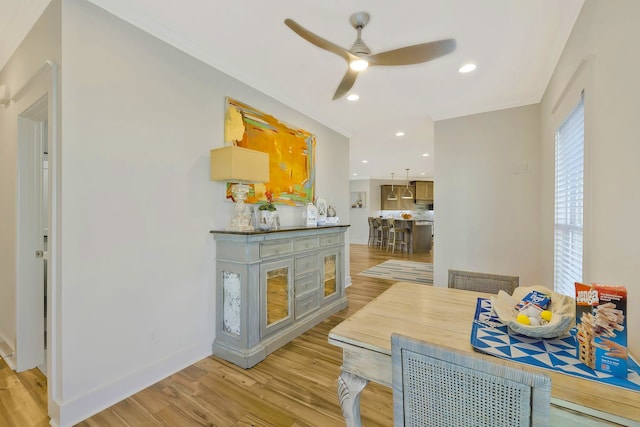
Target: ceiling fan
[{"x": 359, "y": 56}]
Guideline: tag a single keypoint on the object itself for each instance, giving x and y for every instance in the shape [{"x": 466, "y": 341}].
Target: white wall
[
  {"x": 487, "y": 211},
  {"x": 608, "y": 32}
]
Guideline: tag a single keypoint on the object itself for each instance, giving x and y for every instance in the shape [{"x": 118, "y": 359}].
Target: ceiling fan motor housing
[{"x": 359, "y": 48}]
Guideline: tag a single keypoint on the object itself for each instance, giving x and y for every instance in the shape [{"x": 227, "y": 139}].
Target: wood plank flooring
[
  {"x": 293, "y": 386},
  {"x": 23, "y": 398}
]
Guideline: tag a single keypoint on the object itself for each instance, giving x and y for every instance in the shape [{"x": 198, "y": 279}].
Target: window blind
[{"x": 569, "y": 201}]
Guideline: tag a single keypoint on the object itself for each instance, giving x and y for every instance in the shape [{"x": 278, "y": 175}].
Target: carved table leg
[{"x": 349, "y": 388}]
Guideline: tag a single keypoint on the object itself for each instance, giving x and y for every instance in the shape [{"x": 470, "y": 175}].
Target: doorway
[{"x": 32, "y": 225}]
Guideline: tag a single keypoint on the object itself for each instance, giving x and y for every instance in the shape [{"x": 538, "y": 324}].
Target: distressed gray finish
[
  {"x": 482, "y": 282},
  {"x": 440, "y": 386},
  {"x": 250, "y": 256}
]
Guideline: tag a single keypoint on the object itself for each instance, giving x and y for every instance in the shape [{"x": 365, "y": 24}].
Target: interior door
[{"x": 31, "y": 229}]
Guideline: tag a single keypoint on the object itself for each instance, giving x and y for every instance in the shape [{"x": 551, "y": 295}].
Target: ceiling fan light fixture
[{"x": 359, "y": 65}]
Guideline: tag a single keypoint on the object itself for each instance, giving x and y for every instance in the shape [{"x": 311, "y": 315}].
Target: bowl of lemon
[{"x": 535, "y": 311}]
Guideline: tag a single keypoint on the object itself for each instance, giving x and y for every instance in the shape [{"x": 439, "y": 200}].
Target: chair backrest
[
  {"x": 372, "y": 222},
  {"x": 482, "y": 282},
  {"x": 439, "y": 386}
]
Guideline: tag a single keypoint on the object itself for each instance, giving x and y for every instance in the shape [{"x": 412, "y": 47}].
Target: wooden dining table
[{"x": 445, "y": 316}]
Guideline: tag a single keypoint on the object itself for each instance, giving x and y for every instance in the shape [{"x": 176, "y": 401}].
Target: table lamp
[{"x": 240, "y": 166}]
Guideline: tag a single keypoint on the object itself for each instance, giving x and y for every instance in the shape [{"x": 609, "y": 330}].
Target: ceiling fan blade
[
  {"x": 346, "y": 84},
  {"x": 319, "y": 41},
  {"x": 415, "y": 54}
]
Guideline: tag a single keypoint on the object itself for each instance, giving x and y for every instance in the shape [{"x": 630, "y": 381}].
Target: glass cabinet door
[
  {"x": 276, "y": 303},
  {"x": 329, "y": 283},
  {"x": 277, "y": 295}
]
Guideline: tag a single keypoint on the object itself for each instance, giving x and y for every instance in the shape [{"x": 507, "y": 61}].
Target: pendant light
[
  {"x": 392, "y": 196},
  {"x": 406, "y": 193}
]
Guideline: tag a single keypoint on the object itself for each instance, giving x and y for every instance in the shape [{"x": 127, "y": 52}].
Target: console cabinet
[{"x": 271, "y": 286}]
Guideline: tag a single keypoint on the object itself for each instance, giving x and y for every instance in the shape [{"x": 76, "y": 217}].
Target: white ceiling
[{"x": 515, "y": 44}]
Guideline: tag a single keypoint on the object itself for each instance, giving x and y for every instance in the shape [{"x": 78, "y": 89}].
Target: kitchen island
[{"x": 417, "y": 233}]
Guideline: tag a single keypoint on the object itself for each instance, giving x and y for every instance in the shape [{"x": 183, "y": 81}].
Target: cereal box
[{"x": 601, "y": 327}]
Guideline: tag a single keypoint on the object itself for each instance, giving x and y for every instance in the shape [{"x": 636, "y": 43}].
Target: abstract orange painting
[{"x": 291, "y": 153}]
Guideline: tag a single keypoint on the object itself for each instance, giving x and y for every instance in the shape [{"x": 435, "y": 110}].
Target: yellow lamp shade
[{"x": 239, "y": 164}]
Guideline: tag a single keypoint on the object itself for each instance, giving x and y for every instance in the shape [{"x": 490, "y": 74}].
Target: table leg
[{"x": 349, "y": 388}]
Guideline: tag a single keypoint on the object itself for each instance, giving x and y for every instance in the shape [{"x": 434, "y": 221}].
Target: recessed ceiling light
[
  {"x": 353, "y": 97},
  {"x": 365, "y": 161},
  {"x": 355, "y": 174},
  {"x": 400, "y": 133},
  {"x": 423, "y": 173},
  {"x": 467, "y": 68},
  {"x": 425, "y": 155}
]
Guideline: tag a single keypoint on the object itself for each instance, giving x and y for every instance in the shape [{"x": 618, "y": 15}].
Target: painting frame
[
  {"x": 358, "y": 199},
  {"x": 291, "y": 154}
]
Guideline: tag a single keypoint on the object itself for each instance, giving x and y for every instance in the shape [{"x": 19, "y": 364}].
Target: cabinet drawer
[
  {"x": 307, "y": 283},
  {"x": 306, "y": 243},
  {"x": 306, "y": 264},
  {"x": 306, "y": 305},
  {"x": 331, "y": 239},
  {"x": 280, "y": 247}
]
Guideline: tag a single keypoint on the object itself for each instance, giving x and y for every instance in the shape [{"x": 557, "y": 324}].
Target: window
[{"x": 569, "y": 198}]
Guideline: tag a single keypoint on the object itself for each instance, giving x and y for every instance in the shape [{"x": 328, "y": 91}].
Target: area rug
[{"x": 405, "y": 271}]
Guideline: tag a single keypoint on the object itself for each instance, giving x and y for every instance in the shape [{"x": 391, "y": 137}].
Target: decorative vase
[{"x": 269, "y": 220}]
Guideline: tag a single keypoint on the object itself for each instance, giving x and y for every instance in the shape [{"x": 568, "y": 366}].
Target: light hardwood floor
[{"x": 293, "y": 386}]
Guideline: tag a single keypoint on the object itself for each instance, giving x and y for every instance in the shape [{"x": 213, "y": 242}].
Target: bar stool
[
  {"x": 372, "y": 231},
  {"x": 393, "y": 238},
  {"x": 381, "y": 232}
]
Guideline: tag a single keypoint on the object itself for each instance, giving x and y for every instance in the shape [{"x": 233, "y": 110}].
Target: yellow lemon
[
  {"x": 523, "y": 318},
  {"x": 546, "y": 315}
]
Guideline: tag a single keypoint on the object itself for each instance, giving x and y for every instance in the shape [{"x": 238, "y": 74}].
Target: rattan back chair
[
  {"x": 482, "y": 282},
  {"x": 439, "y": 386}
]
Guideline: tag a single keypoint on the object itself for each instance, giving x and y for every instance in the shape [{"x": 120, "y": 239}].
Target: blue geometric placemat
[{"x": 490, "y": 335}]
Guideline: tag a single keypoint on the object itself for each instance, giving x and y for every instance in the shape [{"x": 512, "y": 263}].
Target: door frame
[
  {"x": 30, "y": 224},
  {"x": 44, "y": 83}
]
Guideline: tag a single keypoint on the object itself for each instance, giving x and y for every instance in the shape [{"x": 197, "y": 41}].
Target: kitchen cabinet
[
  {"x": 424, "y": 190},
  {"x": 396, "y": 205},
  {"x": 272, "y": 286}
]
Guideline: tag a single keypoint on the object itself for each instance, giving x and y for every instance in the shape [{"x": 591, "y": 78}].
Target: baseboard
[
  {"x": 8, "y": 354},
  {"x": 82, "y": 407}
]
